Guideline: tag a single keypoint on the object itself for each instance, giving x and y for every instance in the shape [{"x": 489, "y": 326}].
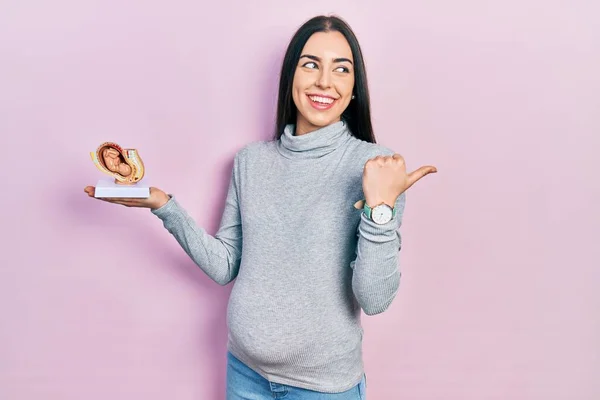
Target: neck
[{"x": 314, "y": 144}]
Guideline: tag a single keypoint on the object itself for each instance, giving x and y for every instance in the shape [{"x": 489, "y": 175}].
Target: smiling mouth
[{"x": 321, "y": 102}]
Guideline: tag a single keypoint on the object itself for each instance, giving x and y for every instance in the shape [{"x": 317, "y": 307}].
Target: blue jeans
[{"x": 245, "y": 384}]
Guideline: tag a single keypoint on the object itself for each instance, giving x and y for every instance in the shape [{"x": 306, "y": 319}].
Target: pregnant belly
[{"x": 273, "y": 327}]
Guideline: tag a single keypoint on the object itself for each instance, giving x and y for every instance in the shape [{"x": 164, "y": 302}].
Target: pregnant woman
[{"x": 310, "y": 229}]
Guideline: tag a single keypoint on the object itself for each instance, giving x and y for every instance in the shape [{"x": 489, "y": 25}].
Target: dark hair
[{"x": 358, "y": 113}]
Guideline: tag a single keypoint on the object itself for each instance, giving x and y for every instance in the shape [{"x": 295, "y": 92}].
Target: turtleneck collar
[{"x": 314, "y": 144}]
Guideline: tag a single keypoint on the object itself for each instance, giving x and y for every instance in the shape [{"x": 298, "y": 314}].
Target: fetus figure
[{"x": 114, "y": 162}]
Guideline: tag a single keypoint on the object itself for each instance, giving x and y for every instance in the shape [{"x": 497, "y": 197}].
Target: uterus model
[{"x": 125, "y": 166}]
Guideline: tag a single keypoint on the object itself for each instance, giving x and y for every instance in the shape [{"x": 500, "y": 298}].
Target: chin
[{"x": 321, "y": 120}]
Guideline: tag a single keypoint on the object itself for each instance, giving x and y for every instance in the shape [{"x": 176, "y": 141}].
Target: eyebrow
[{"x": 335, "y": 60}]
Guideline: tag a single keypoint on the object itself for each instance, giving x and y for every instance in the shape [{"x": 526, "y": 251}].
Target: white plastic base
[{"x": 108, "y": 188}]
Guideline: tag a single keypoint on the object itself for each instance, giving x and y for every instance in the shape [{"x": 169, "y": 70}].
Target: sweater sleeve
[
  {"x": 376, "y": 276},
  {"x": 219, "y": 255}
]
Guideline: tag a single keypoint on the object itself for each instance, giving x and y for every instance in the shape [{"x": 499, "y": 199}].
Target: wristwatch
[{"x": 380, "y": 214}]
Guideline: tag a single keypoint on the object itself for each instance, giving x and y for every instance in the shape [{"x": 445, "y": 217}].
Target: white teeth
[{"x": 318, "y": 99}]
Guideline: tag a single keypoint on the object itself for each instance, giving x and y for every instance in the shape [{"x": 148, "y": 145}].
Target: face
[{"x": 323, "y": 81}]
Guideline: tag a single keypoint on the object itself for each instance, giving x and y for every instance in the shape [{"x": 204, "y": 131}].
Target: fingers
[
  {"x": 381, "y": 160},
  {"x": 127, "y": 202},
  {"x": 414, "y": 176},
  {"x": 359, "y": 204}
]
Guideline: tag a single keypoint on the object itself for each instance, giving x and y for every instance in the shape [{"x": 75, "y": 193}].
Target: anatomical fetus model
[{"x": 125, "y": 165}]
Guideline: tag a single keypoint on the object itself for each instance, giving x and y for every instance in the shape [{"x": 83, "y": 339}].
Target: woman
[{"x": 307, "y": 258}]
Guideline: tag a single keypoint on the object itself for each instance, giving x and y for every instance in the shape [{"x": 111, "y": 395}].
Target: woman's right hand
[{"x": 157, "y": 199}]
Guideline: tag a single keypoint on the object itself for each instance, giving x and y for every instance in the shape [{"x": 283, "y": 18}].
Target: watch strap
[{"x": 367, "y": 210}]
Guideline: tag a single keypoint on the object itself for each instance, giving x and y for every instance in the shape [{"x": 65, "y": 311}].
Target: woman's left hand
[{"x": 385, "y": 178}]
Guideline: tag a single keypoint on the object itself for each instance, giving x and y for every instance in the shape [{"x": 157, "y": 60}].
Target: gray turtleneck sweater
[{"x": 304, "y": 259}]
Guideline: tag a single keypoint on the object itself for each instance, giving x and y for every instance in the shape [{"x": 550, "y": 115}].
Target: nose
[{"x": 324, "y": 79}]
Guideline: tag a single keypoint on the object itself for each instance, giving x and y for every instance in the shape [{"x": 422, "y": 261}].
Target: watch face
[{"x": 382, "y": 214}]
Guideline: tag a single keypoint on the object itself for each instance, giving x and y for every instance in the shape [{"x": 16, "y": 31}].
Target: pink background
[{"x": 499, "y": 298}]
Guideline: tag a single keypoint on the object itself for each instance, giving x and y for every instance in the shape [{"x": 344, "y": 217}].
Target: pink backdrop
[{"x": 500, "y": 264}]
